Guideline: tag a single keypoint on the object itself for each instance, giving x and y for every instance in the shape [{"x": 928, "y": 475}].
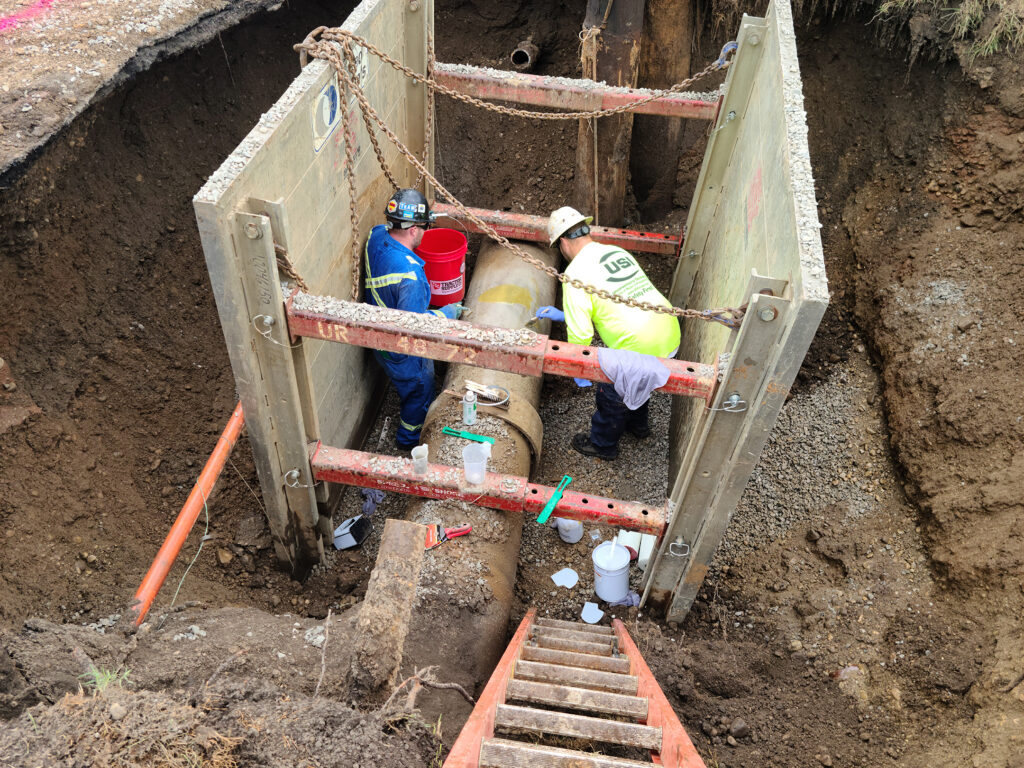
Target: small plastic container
[
  {"x": 419, "y": 459},
  {"x": 474, "y": 463},
  {"x": 569, "y": 531},
  {"x": 611, "y": 571}
]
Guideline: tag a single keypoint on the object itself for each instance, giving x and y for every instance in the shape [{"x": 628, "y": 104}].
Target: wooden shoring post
[
  {"x": 384, "y": 618},
  {"x": 717, "y": 157},
  {"x": 716, "y": 470},
  {"x": 611, "y": 38},
  {"x": 271, "y": 397},
  {"x": 418, "y": 27},
  {"x": 664, "y": 60}
]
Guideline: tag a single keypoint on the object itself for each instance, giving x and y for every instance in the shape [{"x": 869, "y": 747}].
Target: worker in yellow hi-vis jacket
[{"x": 620, "y": 327}]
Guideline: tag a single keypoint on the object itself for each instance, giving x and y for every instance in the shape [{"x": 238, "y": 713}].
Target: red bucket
[{"x": 444, "y": 251}]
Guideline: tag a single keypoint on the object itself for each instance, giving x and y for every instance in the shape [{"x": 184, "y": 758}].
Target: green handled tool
[
  {"x": 555, "y": 497},
  {"x": 467, "y": 435}
]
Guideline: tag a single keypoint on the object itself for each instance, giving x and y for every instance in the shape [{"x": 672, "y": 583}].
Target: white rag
[{"x": 633, "y": 375}]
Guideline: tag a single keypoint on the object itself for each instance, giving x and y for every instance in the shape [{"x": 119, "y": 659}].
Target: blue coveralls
[{"x": 395, "y": 279}]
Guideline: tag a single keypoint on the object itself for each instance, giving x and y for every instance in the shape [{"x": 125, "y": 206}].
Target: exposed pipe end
[{"x": 524, "y": 56}]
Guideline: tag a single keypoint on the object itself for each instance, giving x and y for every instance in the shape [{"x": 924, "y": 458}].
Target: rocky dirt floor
[{"x": 865, "y": 608}]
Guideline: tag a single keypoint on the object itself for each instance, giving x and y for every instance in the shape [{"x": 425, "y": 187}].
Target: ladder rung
[
  {"x": 573, "y": 635},
  {"x": 574, "y": 646},
  {"x": 576, "y": 676},
  {"x": 570, "y": 659},
  {"x": 583, "y": 699},
  {"x": 578, "y": 626},
  {"x": 502, "y": 753},
  {"x": 577, "y": 726}
]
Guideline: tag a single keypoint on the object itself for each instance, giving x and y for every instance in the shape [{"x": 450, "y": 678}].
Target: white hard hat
[{"x": 564, "y": 220}]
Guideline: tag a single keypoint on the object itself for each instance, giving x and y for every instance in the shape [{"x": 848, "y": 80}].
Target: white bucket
[
  {"x": 611, "y": 571},
  {"x": 474, "y": 462}
]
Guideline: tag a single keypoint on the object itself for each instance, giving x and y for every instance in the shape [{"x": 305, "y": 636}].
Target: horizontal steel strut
[
  {"x": 509, "y": 493},
  {"x": 524, "y": 226},
  {"x": 457, "y": 341},
  {"x": 561, "y": 93}
]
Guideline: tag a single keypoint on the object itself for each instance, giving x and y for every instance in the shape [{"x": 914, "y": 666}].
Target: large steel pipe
[{"x": 461, "y": 621}]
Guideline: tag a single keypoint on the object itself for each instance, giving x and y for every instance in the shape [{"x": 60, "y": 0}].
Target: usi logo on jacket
[{"x": 619, "y": 269}]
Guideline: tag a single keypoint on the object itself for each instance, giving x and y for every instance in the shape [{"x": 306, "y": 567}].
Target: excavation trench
[{"x": 110, "y": 331}]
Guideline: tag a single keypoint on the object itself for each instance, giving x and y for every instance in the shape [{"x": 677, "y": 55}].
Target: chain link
[
  {"x": 286, "y": 266},
  {"x": 335, "y": 47},
  {"x": 314, "y": 48},
  {"x": 428, "y": 130}
]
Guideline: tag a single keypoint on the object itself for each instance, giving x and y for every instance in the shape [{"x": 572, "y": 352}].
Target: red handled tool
[{"x": 436, "y": 535}]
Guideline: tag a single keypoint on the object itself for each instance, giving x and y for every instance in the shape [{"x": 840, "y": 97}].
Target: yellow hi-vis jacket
[{"x": 620, "y": 326}]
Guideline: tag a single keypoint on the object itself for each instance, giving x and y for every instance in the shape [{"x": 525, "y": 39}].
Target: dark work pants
[
  {"x": 413, "y": 377},
  {"x": 612, "y": 418}
]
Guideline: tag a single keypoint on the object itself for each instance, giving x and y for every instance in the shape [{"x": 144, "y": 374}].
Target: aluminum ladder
[{"x": 552, "y": 666}]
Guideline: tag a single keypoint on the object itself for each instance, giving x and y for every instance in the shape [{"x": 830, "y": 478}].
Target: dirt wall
[{"x": 110, "y": 329}]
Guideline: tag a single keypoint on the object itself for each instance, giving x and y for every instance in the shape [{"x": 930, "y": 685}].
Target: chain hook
[{"x": 721, "y": 62}]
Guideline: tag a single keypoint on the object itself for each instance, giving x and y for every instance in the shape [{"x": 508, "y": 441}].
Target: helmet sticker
[{"x": 392, "y": 206}]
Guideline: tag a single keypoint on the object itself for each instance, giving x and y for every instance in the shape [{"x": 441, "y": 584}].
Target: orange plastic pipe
[{"x": 157, "y": 573}]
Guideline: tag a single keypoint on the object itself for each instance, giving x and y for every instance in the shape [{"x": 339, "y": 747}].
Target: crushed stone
[
  {"x": 578, "y": 83},
  {"x": 817, "y": 455},
  {"x": 413, "y": 321}
]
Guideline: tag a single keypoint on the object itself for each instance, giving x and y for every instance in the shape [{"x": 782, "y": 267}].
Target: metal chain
[
  {"x": 350, "y": 175},
  {"x": 286, "y": 266},
  {"x": 315, "y": 48},
  {"x": 428, "y": 132},
  {"x": 342, "y": 59},
  {"x": 352, "y": 66}
]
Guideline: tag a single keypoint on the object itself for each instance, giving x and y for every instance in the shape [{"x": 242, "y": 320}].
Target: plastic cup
[
  {"x": 474, "y": 463},
  {"x": 419, "y": 459},
  {"x": 570, "y": 531}
]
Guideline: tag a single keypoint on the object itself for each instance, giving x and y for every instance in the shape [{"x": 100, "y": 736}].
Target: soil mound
[{"x": 236, "y": 723}]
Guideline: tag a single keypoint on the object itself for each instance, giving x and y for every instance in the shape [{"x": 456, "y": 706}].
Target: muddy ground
[{"x": 865, "y": 609}]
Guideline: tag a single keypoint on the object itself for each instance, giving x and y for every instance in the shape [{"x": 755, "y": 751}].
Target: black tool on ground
[{"x": 351, "y": 533}]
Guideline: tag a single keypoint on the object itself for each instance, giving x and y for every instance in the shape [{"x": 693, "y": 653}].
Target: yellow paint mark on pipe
[{"x": 508, "y": 294}]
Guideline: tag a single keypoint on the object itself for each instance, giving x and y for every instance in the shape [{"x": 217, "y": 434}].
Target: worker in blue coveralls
[{"x": 395, "y": 279}]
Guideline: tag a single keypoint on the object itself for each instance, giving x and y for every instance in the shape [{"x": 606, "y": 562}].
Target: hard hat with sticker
[{"x": 408, "y": 207}]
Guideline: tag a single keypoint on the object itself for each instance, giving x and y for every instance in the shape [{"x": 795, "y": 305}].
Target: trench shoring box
[
  {"x": 752, "y": 238},
  {"x": 284, "y": 188}
]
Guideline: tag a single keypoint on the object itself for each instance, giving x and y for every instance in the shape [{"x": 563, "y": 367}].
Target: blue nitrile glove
[
  {"x": 551, "y": 313},
  {"x": 583, "y": 383},
  {"x": 371, "y": 498},
  {"x": 452, "y": 311}
]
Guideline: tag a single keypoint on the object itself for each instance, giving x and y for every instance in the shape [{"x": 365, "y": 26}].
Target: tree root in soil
[{"x": 393, "y": 712}]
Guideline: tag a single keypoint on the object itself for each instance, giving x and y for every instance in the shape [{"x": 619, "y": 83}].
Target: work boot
[
  {"x": 581, "y": 443},
  {"x": 640, "y": 434}
]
